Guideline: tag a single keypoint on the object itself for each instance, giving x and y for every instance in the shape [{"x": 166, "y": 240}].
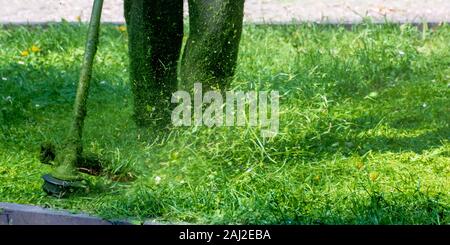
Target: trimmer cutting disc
[{"x": 60, "y": 188}]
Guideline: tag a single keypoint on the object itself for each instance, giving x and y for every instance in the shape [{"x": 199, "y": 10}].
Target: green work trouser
[{"x": 155, "y": 29}]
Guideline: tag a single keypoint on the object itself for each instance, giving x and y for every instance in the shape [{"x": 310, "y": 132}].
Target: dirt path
[{"x": 348, "y": 11}]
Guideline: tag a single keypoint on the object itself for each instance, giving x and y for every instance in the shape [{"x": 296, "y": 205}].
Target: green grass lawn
[{"x": 364, "y": 129}]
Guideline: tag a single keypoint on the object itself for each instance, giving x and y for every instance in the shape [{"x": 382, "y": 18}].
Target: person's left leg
[
  {"x": 155, "y": 31},
  {"x": 210, "y": 55}
]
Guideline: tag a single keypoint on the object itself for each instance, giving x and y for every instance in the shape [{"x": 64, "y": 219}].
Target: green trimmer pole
[{"x": 66, "y": 159}]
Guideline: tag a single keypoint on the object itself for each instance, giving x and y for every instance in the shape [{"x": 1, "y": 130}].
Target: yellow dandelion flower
[
  {"x": 373, "y": 176},
  {"x": 122, "y": 28},
  {"x": 35, "y": 49},
  {"x": 78, "y": 18},
  {"x": 24, "y": 53},
  {"x": 359, "y": 165}
]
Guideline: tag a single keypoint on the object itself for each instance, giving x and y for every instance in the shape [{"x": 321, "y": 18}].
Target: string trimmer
[{"x": 65, "y": 177}]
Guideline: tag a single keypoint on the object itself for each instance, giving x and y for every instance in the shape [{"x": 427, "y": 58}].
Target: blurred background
[{"x": 273, "y": 11}]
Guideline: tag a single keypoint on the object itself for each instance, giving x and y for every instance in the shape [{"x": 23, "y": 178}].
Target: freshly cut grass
[{"x": 364, "y": 129}]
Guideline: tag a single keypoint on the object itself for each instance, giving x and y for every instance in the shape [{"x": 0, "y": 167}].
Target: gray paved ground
[
  {"x": 347, "y": 11},
  {"x": 19, "y": 214},
  {"x": 16, "y": 214}
]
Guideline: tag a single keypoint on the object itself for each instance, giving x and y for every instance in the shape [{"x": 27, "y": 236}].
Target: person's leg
[
  {"x": 210, "y": 55},
  {"x": 155, "y": 31}
]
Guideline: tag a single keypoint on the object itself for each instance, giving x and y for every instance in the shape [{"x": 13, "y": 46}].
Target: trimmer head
[{"x": 60, "y": 188}]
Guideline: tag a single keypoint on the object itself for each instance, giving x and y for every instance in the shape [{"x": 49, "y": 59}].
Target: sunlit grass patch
[{"x": 363, "y": 139}]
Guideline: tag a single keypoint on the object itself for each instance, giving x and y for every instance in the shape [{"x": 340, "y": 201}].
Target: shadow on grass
[
  {"x": 34, "y": 87},
  {"x": 333, "y": 143}
]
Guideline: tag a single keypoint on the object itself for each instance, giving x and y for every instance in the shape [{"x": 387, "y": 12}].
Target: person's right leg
[{"x": 155, "y": 32}]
